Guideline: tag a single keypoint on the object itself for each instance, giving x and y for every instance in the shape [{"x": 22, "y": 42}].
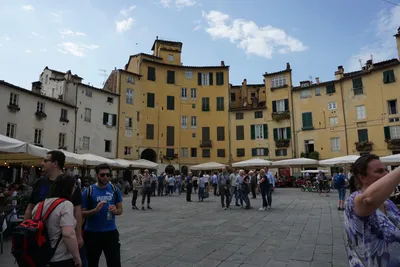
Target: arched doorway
[
  {"x": 184, "y": 170},
  {"x": 149, "y": 154},
  {"x": 170, "y": 169}
]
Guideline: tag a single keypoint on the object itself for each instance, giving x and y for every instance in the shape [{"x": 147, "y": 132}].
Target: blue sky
[{"x": 251, "y": 36}]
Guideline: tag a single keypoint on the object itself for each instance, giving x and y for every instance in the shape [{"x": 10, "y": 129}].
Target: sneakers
[
  {"x": 262, "y": 208},
  {"x": 135, "y": 208},
  {"x": 224, "y": 208},
  {"x": 149, "y": 208},
  {"x": 142, "y": 208}
]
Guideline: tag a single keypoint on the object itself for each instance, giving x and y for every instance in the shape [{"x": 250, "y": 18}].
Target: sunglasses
[
  {"x": 46, "y": 160},
  {"x": 105, "y": 175}
]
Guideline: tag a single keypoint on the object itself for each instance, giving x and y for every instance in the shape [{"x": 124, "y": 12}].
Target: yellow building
[
  {"x": 260, "y": 118},
  {"x": 182, "y": 110}
]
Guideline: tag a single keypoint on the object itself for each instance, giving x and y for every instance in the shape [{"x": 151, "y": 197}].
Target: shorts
[{"x": 342, "y": 193}]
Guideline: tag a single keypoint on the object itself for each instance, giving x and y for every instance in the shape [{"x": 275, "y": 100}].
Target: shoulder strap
[
  {"x": 89, "y": 192},
  {"x": 52, "y": 207},
  {"x": 115, "y": 193},
  {"x": 39, "y": 211}
]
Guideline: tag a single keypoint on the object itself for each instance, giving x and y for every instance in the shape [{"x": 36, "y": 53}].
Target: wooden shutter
[
  {"x": 288, "y": 133},
  {"x": 151, "y": 73},
  {"x": 170, "y": 136},
  {"x": 150, "y": 100},
  {"x": 105, "y": 118},
  {"x": 357, "y": 83},
  {"x": 220, "y": 133},
  {"x": 114, "y": 118},
  {"x": 170, "y": 102},
  {"x": 254, "y": 152},
  {"x": 362, "y": 135},
  {"x": 266, "y": 151},
  {"x": 330, "y": 88},
  {"x": 205, "y": 133},
  {"x": 286, "y": 104},
  {"x": 309, "y": 119},
  {"x": 275, "y": 133},
  {"x": 273, "y": 106},
  {"x": 239, "y": 132},
  {"x": 222, "y": 78},
  {"x": 210, "y": 82},
  {"x": 170, "y": 76},
  {"x": 199, "y": 78},
  {"x": 265, "y": 130},
  {"x": 386, "y": 131},
  {"x": 253, "y": 132},
  {"x": 220, "y": 103},
  {"x": 150, "y": 131}
]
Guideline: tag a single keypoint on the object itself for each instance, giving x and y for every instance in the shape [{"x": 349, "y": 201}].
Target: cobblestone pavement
[{"x": 301, "y": 230}]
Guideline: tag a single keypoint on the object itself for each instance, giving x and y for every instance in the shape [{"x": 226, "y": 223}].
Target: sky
[{"x": 92, "y": 37}]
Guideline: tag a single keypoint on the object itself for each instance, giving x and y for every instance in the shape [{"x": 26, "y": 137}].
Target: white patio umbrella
[
  {"x": 314, "y": 171},
  {"x": 391, "y": 160},
  {"x": 207, "y": 166},
  {"x": 297, "y": 162},
  {"x": 11, "y": 145},
  {"x": 350, "y": 159},
  {"x": 139, "y": 164},
  {"x": 92, "y": 160},
  {"x": 255, "y": 162}
]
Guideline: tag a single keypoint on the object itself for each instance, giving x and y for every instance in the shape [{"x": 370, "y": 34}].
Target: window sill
[
  {"x": 389, "y": 82},
  {"x": 308, "y": 128}
]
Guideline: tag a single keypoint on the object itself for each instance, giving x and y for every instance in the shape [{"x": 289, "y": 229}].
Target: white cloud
[
  {"x": 247, "y": 35},
  {"x": 198, "y": 25},
  {"x": 384, "y": 47},
  {"x": 68, "y": 32},
  {"x": 178, "y": 3},
  {"x": 124, "y": 25},
  {"x": 35, "y": 34},
  {"x": 28, "y": 7},
  {"x": 28, "y": 51},
  {"x": 56, "y": 14},
  {"x": 78, "y": 50},
  {"x": 5, "y": 37},
  {"x": 125, "y": 12}
]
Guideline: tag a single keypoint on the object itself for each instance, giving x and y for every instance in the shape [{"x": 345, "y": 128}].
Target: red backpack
[{"x": 31, "y": 244}]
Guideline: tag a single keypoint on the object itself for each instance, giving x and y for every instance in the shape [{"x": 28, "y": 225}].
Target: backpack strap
[
  {"x": 114, "y": 193},
  {"x": 52, "y": 207},
  {"x": 39, "y": 211}
]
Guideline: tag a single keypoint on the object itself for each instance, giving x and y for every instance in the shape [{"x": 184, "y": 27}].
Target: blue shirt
[
  {"x": 214, "y": 179},
  {"x": 271, "y": 178},
  {"x": 98, "y": 222}
]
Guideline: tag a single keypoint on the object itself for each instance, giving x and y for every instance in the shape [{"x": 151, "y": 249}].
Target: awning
[{"x": 255, "y": 162}]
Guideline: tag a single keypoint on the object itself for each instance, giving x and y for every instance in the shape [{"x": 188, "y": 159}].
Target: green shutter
[
  {"x": 286, "y": 104},
  {"x": 275, "y": 134},
  {"x": 221, "y": 78},
  {"x": 357, "y": 83},
  {"x": 304, "y": 119},
  {"x": 330, "y": 88},
  {"x": 273, "y": 106},
  {"x": 386, "y": 130},
  {"x": 266, "y": 151},
  {"x": 310, "y": 122},
  {"x": 253, "y": 132},
  {"x": 254, "y": 152},
  {"x": 307, "y": 120},
  {"x": 199, "y": 78},
  {"x": 388, "y": 76},
  {"x": 210, "y": 82},
  {"x": 265, "y": 131},
  {"x": 288, "y": 133},
  {"x": 362, "y": 135}
]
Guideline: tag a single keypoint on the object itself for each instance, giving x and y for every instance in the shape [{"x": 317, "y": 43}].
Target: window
[
  {"x": 220, "y": 133},
  {"x": 358, "y": 86},
  {"x": 258, "y": 114},
  {"x": 240, "y": 152},
  {"x": 193, "y": 93},
  {"x": 11, "y": 130},
  {"x": 307, "y": 121},
  {"x": 170, "y": 136},
  {"x": 220, "y": 78},
  {"x": 107, "y": 145},
  {"x": 193, "y": 122},
  {"x": 239, "y": 132},
  {"x": 170, "y": 102},
  {"x": 110, "y": 100},
  {"x": 360, "y": 112},
  {"x": 305, "y": 93},
  {"x": 88, "y": 115},
  {"x": 206, "y": 153},
  {"x": 38, "y": 137},
  {"x": 239, "y": 116},
  {"x": 184, "y": 93},
  {"x": 392, "y": 107},
  {"x": 259, "y": 131},
  {"x": 388, "y": 76},
  {"x": 280, "y": 105},
  {"x": 233, "y": 97},
  {"x": 13, "y": 99},
  {"x": 317, "y": 91},
  {"x": 171, "y": 58},
  {"x": 128, "y": 151},
  {"x": 280, "y": 152},
  {"x": 193, "y": 152},
  {"x": 205, "y": 78},
  {"x": 330, "y": 88},
  {"x": 86, "y": 143},
  {"x": 40, "y": 106},
  {"x": 46, "y": 79},
  {"x": 151, "y": 73},
  {"x": 62, "y": 140},
  {"x": 220, "y": 103},
  {"x": 88, "y": 93},
  {"x": 333, "y": 121},
  {"x": 184, "y": 122},
  {"x": 130, "y": 80},
  {"x": 150, "y": 100},
  {"x": 394, "y": 132},
  {"x": 332, "y": 106},
  {"x": 282, "y": 133},
  {"x": 188, "y": 74},
  {"x": 193, "y": 105},
  {"x": 128, "y": 127},
  {"x": 362, "y": 135},
  {"x": 278, "y": 81},
  {"x": 205, "y": 104},
  {"x": 170, "y": 153},
  {"x": 150, "y": 131},
  {"x": 184, "y": 152},
  {"x": 64, "y": 114},
  {"x": 109, "y": 119},
  {"x": 170, "y": 76},
  {"x": 129, "y": 96},
  {"x": 259, "y": 152},
  {"x": 221, "y": 153},
  {"x": 335, "y": 144},
  {"x": 193, "y": 135}
]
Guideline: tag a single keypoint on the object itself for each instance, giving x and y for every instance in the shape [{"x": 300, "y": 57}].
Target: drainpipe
[
  {"x": 294, "y": 136},
  {"x": 76, "y": 118},
  {"x": 229, "y": 124},
  {"x": 119, "y": 110},
  {"x": 344, "y": 117}
]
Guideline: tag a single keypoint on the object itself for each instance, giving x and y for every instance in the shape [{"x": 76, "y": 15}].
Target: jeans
[
  {"x": 240, "y": 196},
  {"x": 82, "y": 253},
  {"x": 107, "y": 242},
  {"x": 189, "y": 192},
  {"x": 146, "y": 192},
  {"x": 234, "y": 192},
  {"x": 245, "y": 198},
  {"x": 170, "y": 189},
  {"x": 224, "y": 192},
  {"x": 160, "y": 189},
  {"x": 134, "y": 198},
  {"x": 64, "y": 263},
  {"x": 201, "y": 192},
  {"x": 215, "y": 189},
  {"x": 253, "y": 189},
  {"x": 269, "y": 195},
  {"x": 263, "y": 190},
  {"x": 179, "y": 187},
  {"x": 153, "y": 189},
  {"x": 342, "y": 193}
]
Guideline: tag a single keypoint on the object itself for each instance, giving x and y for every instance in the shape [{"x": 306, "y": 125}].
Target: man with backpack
[
  {"x": 101, "y": 202},
  {"x": 339, "y": 182}
]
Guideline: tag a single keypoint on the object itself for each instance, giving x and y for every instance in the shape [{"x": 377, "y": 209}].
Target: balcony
[
  {"x": 250, "y": 106},
  {"x": 62, "y": 119},
  {"x": 40, "y": 115},
  {"x": 311, "y": 155},
  {"x": 281, "y": 143},
  {"x": 13, "y": 108},
  {"x": 363, "y": 146},
  {"x": 170, "y": 157},
  {"x": 205, "y": 143},
  {"x": 393, "y": 144},
  {"x": 278, "y": 116}
]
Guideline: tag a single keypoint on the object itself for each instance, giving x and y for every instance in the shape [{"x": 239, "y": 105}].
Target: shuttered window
[
  {"x": 205, "y": 104},
  {"x": 388, "y": 76},
  {"x": 151, "y": 73},
  {"x": 220, "y": 103},
  {"x": 150, "y": 100},
  {"x": 307, "y": 121},
  {"x": 220, "y": 78},
  {"x": 240, "y": 132},
  {"x": 171, "y": 77},
  {"x": 170, "y": 136},
  {"x": 170, "y": 102},
  {"x": 330, "y": 88},
  {"x": 362, "y": 135},
  {"x": 220, "y": 133},
  {"x": 150, "y": 131}
]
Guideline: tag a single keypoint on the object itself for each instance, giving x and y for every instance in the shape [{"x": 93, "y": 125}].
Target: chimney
[
  {"x": 156, "y": 37},
  {"x": 369, "y": 64},
  {"x": 37, "y": 87},
  {"x": 288, "y": 66},
  {"x": 244, "y": 83},
  {"x": 339, "y": 73},
  {"x": 397, "y": 35},
  {"x": 317, "y": 80},
  {"x": 222, "y": 63}
]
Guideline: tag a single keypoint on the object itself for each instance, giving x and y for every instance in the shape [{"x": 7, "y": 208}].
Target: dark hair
[
  {"x": 63, "y": 186},
  {"x": 360, "y": 168},
  {"x": 340, "y": 170},
  {"x": 103, "y": 166},
  {"x": 57, "y": 156}
]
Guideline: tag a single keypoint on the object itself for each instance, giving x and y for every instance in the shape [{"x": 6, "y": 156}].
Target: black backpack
[{"x": 31, "y": 244}]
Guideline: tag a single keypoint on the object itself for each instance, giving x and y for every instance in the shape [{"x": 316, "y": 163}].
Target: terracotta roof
[
  {"x": 171, "y": 43},
  {"x": 141, "y": 54},
  {"x": 129, "y": 72},
  {"x": 277, "y": 72},
  {"x": 2, "y": 82},
  {"x": 186, "y": 67},
  {"x": 378, "y": 65},
  {"x": 62, "y": 73},
  {"x": 97, "y": 89},
  {"x": 298, "y": 88}
]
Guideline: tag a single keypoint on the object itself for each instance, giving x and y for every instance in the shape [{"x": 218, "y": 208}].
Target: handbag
[{"x": 206, "y": 194}]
